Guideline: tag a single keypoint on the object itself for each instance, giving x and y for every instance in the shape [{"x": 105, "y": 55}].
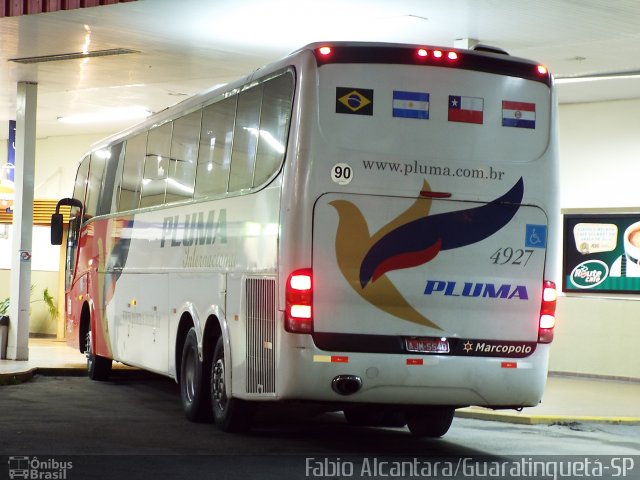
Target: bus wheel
[
  {"x": 230, "y": 414},
  {"x": 194, "y": 392},
  {"x": 98, "y": 368},
  {"x": 429, "y": 421}
]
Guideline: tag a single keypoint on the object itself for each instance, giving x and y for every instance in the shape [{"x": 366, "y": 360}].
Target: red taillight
[
  {"x": 299, "y": 300},
  {"x": 542, "y": 70},
  {"x": 437, "y": 54},
  {"x": 547, "y": 319},
  {"x": 324, "y": 51}
]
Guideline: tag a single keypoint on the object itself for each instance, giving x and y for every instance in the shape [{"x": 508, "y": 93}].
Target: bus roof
[
  {"x": 428, "y": 55},
  {"x": 353, "y": 52}
]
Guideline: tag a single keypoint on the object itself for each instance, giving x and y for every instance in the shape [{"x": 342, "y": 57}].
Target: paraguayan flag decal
[
  {"x": 411, "y": 104},
  {"x": 518, "y": 114}
]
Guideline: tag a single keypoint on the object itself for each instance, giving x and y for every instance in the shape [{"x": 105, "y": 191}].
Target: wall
[
  {"x": 597, "y": 336},
  {"x": 40, "y": 322},
  {"x": 600, "y": 155},
  {"x": 56, "y": 162},
  {"x": 599, "y": 168}
]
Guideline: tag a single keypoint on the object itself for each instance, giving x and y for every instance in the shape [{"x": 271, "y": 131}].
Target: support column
[{"x": 18, "y": 340}]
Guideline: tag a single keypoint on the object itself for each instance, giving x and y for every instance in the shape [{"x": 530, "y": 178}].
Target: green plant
[
  {"x": 46, "y": 298},
  {"x": 51, "y": 304}
]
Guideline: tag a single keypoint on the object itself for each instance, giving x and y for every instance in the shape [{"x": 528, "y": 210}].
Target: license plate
[{"x": 427, "y": 345}]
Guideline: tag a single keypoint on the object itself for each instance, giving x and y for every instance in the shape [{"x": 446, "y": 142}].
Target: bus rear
[{"x": 430, "y": 200}]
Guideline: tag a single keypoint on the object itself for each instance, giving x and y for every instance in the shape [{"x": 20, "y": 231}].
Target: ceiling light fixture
[
  {"x": 74, "y": 55},
  {"x": 107, "y": 115},
  {"x": 561, "y": 80},
  {"x": 417, "y": 17}
]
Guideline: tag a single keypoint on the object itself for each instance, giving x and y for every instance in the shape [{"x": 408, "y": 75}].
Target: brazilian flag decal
[{"x": 358, "y": 101}]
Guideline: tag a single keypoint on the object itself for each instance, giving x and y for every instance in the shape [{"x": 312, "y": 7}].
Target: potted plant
[
  {"x": 4, "y": 307},
  {"x": 46, "y": 298},
  {"x": 52, "y": 306},
  {"x": 4, "y": 326}
]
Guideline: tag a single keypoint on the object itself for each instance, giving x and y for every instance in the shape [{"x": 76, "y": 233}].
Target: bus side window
[
  {"x": 129, "y": 197},
  {"x": 113, "y": 171},
  {"x": 79, "y": 191},
  {"x": 156, "y": 166},
  {"x": 94, "y": 184},
  {"x": 80, "y": 187},
  {"x": 275, "y": 116},
  {"x": 214, "y": 155},
  {"x": 72, "y": 245},
  {"x": 245, "y": 139},
  {"x": 184, "y": 155}
]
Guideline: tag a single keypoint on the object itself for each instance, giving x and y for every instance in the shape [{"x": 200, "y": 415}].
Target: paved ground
[
  {"x": 133, "y": 427},
  {"x": 566, "y": 399}
]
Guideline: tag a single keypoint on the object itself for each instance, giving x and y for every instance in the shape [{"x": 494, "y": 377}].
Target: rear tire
[
  {"x": 98, "y": 368},
  {"x": 230, "y": 414},
  {"x": 429, "y": 421},
  {"x": 195, "y": 393}
]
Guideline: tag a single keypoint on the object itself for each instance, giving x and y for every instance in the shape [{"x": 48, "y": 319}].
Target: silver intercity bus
[{"x": 367, "y": 227}]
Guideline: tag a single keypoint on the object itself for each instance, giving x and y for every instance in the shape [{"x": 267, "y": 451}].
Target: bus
[{"x": 366, "y": 227}]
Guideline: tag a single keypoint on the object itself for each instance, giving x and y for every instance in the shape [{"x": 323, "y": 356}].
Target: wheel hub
[{"x": 217, "y": 384}]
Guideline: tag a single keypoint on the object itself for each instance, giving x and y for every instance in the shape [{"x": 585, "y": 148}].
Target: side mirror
[
  {"x": 57, "y": 219},
  {"x": 56, "y": 229}
]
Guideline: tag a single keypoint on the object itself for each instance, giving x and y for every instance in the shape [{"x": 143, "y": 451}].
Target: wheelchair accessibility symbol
[{"x": 535, "y": 236}]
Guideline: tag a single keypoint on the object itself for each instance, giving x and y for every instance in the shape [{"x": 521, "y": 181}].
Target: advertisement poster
[
  {"x": 11, "y": 150},
  {"x": 601, "y": 253}
]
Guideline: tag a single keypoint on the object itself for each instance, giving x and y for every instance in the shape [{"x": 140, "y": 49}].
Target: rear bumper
[{"x": 306, "y": 373}]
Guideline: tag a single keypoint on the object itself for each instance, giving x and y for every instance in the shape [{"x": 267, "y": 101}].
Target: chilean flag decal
[
  {"x": 518, "y": 114},
  {"x": 466, "y": 109}
]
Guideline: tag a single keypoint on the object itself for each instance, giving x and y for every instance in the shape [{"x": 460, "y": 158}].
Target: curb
[
  {"x": 26, "y": 375},
  {"x": 18, "y": 377},
  {"x": 523, "y": 419},
  {"x": 76, "y": 371}
]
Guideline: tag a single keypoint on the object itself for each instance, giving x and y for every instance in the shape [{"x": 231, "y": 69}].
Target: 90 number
[
  {"x": 512, "y": 256},
  {"x": 342, "y": 174}
]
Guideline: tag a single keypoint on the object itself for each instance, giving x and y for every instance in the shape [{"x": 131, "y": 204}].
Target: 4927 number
[{"x": 512, "y": 256}]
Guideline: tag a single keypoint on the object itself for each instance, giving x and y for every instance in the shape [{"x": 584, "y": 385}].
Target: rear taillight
[
  {"x": 423, "y": 53},
  {"x": 299, "y": 301},
  {"x": 547, "y": 312}
]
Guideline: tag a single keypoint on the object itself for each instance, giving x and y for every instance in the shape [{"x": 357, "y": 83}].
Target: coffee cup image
[
  {"x": 630, "y": 260},
  {"x": 634, "y": 238},
  {"x": 628, "y": 264}
]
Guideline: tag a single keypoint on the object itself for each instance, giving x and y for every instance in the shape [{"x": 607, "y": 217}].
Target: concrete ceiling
[{"x": 182, "y": 47}]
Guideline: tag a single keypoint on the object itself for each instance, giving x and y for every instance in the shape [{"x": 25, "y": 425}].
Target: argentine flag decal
[{"x": 411, "y": 104}]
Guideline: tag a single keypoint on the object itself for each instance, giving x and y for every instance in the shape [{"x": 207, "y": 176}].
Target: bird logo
[{"x": 412, "y": 239}]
